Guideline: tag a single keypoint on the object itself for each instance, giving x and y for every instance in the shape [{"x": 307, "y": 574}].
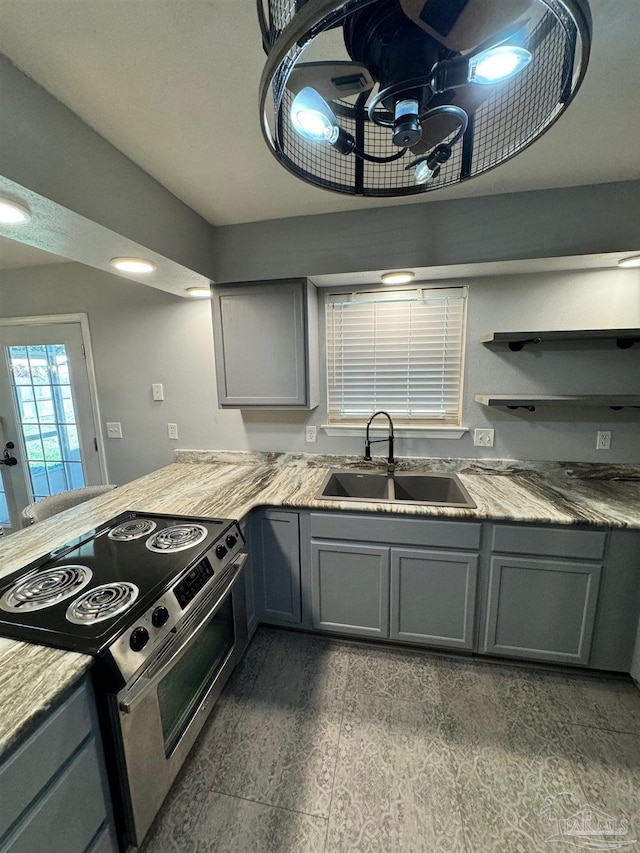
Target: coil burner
[
  {"x": 45, "y": 588},
  {"x": 102, "y": 602},
  {"x": 136, "y": 528},
  {"x": 176, "y": 538}
]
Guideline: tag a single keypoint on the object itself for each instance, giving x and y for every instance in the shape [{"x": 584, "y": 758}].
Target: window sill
[{"x": 399, "y": 431}]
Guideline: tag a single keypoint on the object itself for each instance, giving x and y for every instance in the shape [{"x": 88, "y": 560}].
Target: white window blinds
[{"x": 401, "y": 351}]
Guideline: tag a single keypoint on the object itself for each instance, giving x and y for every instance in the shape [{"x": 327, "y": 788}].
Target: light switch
[
  {"x": 114, "y": 430},
  {"x": 157, "y": 391}
]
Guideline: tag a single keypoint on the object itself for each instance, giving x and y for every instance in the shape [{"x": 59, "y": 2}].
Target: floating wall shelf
[
  {"x": 624, "y": 338},
  {"x": 530, "y": 402}
]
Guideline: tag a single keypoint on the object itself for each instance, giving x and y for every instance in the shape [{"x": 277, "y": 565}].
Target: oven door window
[{"x": 183, "y": 688}]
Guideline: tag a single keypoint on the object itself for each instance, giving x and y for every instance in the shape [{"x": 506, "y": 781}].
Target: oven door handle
[{"x": 160, "y": 666}]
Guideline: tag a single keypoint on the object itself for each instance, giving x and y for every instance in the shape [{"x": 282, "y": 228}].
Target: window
[{"x": 400, "y": 351}]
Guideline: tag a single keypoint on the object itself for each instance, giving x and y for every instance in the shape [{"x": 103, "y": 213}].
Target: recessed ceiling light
[
  {"x": 633, "y": 261},
  {"x": 135, "y": 265},
  {"x": 12, "y": 213},
  {"x": 199, "y": 292},
  {"x": 400, "y": 277}
]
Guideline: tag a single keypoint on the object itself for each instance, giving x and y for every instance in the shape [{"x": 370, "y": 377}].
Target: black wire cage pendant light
[{"x": 396, "y": 97}]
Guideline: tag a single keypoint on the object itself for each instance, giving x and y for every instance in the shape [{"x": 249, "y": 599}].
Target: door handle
[{"x": 7, "y": 458}]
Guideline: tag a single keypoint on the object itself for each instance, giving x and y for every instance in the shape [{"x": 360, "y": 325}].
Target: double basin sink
[{"x": 428, "y": 489}]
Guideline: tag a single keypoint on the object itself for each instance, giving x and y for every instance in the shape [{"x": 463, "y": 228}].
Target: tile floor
[{"x": 320, "y": 745}]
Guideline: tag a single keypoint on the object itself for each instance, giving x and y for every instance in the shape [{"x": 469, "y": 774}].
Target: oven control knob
[
  {"x": 220, "y": 551},
  {"x": 231, "y": 540},
  {"x": 159, "y": 616},
  {"x": 139, "y": 639}
]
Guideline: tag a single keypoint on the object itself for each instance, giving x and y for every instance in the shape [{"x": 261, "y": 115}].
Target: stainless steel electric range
[{"x": 159, "y": 601}]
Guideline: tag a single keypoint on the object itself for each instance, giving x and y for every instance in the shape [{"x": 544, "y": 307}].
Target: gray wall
[
  {"x": 510, "y": 227},
  {"x": 47, "y": 149},
  {"x": 141, "y": 335}
]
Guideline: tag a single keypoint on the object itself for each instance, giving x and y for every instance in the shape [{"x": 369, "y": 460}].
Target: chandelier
[{"x": 396, "y": 97}]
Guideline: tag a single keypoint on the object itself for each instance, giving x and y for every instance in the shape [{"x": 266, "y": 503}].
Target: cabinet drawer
[
  {"x": 31, "y": 767},
  {"x": 396, "y": 531},
  {"x": 69, "y": 815},
  {"x": 549, "y": 541}
]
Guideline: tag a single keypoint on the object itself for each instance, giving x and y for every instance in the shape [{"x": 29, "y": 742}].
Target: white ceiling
[{"x": 174, "y": 85}]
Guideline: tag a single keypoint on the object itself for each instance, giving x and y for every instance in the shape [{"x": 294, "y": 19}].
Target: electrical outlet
[
  {"x": 172, "y": 430},
  {"x": 114, "y": 430},
  {"x": 483, "y": 437},
  {"x": 310, "y": 433},
  {"x": 158, "y": 391},
  {"x": 603, "y": 441}
]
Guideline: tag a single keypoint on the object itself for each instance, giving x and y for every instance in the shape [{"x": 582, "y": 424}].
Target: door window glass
[
  {"x": 4, "y": 509},
  {"x": 41, "y": 383}
]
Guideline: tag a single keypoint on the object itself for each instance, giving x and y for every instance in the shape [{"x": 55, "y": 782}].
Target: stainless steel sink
[{"x": 427, "y": 489}]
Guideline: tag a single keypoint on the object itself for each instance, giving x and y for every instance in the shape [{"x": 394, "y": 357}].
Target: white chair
[{"x": 54, "y": 504}]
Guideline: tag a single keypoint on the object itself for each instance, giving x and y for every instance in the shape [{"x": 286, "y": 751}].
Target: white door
[{"x": 47, "y": 411}]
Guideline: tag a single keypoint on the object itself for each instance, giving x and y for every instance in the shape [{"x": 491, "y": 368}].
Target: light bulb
[
  {"x": 423, "y": 172},
  {"x": 133, "y": 265},
  {"x": 199, "y": 292},
  {"x": 12, "y": 213},
  {"x": 399, "y": 277},
  {"x": 629, "y": 263},
  {"x": 312, "y": 117},
  {"x": 497, "y": 64}
]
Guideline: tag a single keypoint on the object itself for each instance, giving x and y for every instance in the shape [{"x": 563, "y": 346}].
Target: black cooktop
[{"x": 134, "y": 575}]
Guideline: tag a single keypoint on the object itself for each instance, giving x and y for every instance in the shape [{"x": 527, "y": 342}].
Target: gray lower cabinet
[
  {"x": 542, "y": 609},
  {"x": 253, "y": 613},
  {"x": 433, "y": 597},
  {"x": 350, "y": 588},
  {"x": 635, "y": 663},
  {"x": 275, "y": 540},
  {"x": 405, "y": 579},
  {"x": 265, "y": 336},
  {"x": 53, "y": 789},
  {"x": 411, "y": 595}
]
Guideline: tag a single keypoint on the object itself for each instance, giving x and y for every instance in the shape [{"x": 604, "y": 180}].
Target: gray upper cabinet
[
  {"x": 265, "y": 336},
  {"x": 275, "y": 539},
  {"x": 433, "y": 597}
]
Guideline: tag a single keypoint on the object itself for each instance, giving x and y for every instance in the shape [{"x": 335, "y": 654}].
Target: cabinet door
[
  {"x": 60, "y": 763},
  {"x": 433, "y": 597},
  {"x": 350, "y": 588},
  {"x": 261, "y": 344},
  {"x": 253, "y": 615},
  {"x": 541, "y": 609},
  {"x": 278, "y": 548},
  {"x": 635, "y": 663}
]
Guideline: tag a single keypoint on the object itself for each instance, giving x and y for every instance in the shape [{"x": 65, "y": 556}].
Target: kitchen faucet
[{"x": 391, "y": 462}]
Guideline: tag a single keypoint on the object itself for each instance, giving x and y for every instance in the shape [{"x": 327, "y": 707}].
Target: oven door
[{"x": 160, "y": 714}]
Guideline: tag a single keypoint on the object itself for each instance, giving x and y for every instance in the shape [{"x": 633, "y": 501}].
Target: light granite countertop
[{"x": 230, "y": 485}]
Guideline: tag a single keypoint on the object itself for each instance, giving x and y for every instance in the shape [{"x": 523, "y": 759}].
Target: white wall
[{"x": 141, "y": 335}]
